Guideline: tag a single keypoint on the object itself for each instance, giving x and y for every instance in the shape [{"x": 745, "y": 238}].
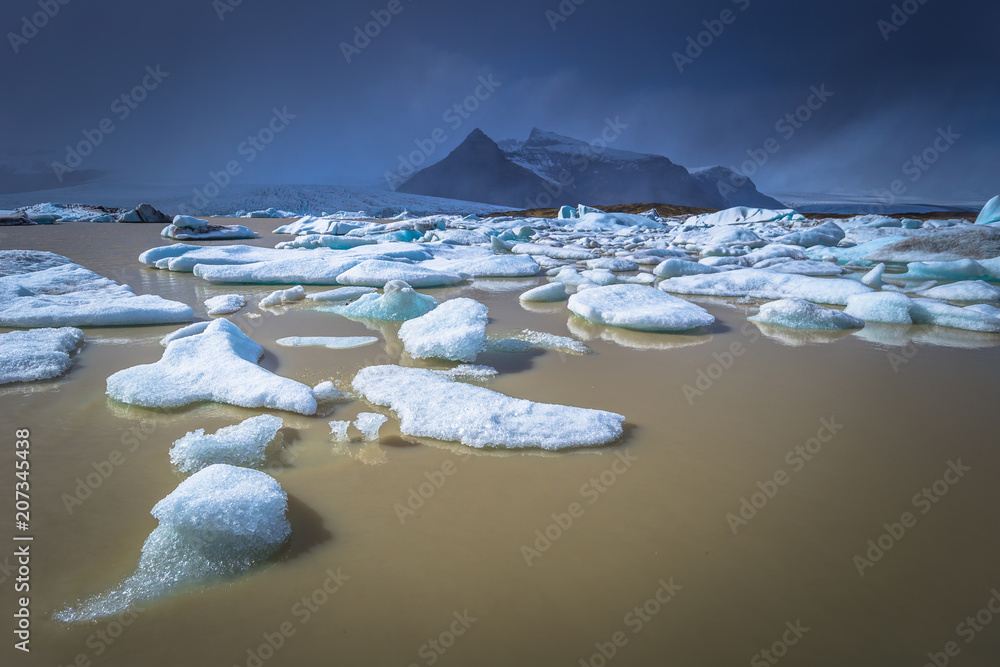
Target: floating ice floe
[
  {"x": 340, "y": 295},
  {"x": 325, "y": 392},
  {"x": 217, "y": 524},
  {"x": 490, "y": 266},
  {"x": 188, "y": 228},
  {"x": 961, "y": 269},
  {"x": 716, "y": 236},
  {"x": 434, "y": 406},
  {"x": 741, "y": 215},
  {"x": 41, "y": 289},
  {"x": 827, "y": 234},
  {"x": 673, "y": 268},
  {"x": 376, "y": 273},
  {"x": 217, "y": 364},
  {"x": 455, "y": 330},
  {"x": 763, "y": 284},
  {"x": 553, "y": 252},
  {"x": 976, "y": 291},
  {"x": 397, "y": 303},
  {"x": 883, "y": 307},
  {"x": 799, "y": 314},
  {"x": 526, "y": 340},
  {"x": 939, "y": 313},
  {"x": 240, "y": 445},
  {"x": 545, "y": 293},
  {"x": 638, "y": 307},
  {"x": 338, "y": 430},
  {"x": 313, "y": 241},
  {"x": 38, "y": 354},
  {"x": 329, "y": 342},
  {"x": 278, "y": 297},
  {"x": 224, "y": 304},
  {"x": 369, "y": 424}
]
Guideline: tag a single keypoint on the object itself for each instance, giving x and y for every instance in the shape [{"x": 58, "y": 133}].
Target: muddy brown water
[{"x": 523, "y": 558}]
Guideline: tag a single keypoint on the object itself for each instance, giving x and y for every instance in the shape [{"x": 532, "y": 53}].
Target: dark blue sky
[{"x": 605, "y": 60}]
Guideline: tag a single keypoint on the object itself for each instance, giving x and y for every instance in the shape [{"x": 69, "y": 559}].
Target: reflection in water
[
  {"x": 637, "y": 340},
  {"x": 799, "y": 337}
]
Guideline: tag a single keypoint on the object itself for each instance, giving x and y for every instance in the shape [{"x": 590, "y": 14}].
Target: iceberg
[
  {"x": 741, "y": 215},
  {"x": 369, "y": 424},
  {"x": 397, "y": 303},
  {"x": 638, "y": 307},
  {"x": 672, "y": 268},
  {"x": 188, "y": 228},
  {"x": 545, "y": 293},
  {"x": 883, "y": 307},
  {"x": 240, "y": 445},
  {"x": 38, "y": 354},
  {"x": 827, "y": 234},
  {"x": 66, "y": 294},
  {"x": 218, "y": 364},
  {"x": 990, "y": 212},
  {"x": 799, "y": 314},
  {"x": 455, "y": 330},
  {"x": 432, "y": 405},
  {"x": 278, "y": 297},
  {"x": 976, "y": 291},
  {"x": 939, "y": 313},
  {"x": 217, "y": 524},
  {"x": 764, "y": 284}
]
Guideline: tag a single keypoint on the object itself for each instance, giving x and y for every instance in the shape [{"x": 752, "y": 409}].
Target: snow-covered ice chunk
[
  {"x": 763, "y": 284},
  {"x": 225, "y": 304},
  {"x": 874, "y": 277},
  {"x": 962, "y": 269},
  {"x": 329, "y": 342},
  {"x": 325, "y": 392},
  {"x": 340, "y": 295},
  {"x": 216, "y": 524},
  {"x": 491, "y": 266},
  {"x": 801, "y": 268},
  {"x": 455, "y": 330},
  {"x": 976, "y": 291},
  {"x": 672, "y": 268},
  {"x": 715, "y": 236},
  {"x": 526, "y": 340},
  {"x": 218, "y": 364},
  {"x": 545, "y": 293},
  {"x": 240, "y": 445},
  {"x": 67, "y": 294},
  {"x": 397, "y": 303},
  {"x": 884, "y": 307},
  {"x": 799, "y": 314},
  {"x": 434, "y": 406},
  {"x": 278, "y": 297},
  {"x": 369, "y": 424},
  {"x": 38, "y": 354},
  {"x": 638, "y": 307},
  {"x": 600, "y": 276},
  {"x": 827, "y": 234},
  {"x": 377, "y": 272},
  {"x": 338, "y": 430},
  {"x": 612, "y": 264},
  {"x": 939, "y": 313}
]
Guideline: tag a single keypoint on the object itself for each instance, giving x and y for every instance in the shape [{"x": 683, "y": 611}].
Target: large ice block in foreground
[
  {"x": 217, "y": 524},
  {"x": 455, "y": 330},
  {"x": 763, "y": 284},
  {"x": 800, "y": 314},
  {"x": 65, "y": 294},
  {"x": 38, "y": 354},
  {"x": 240, "y": 445},
  {"x": 399, "y": 302},
  {"x": 217, "y": 364},
  {"x": 638, "y": 307},
  {"x": 429, "y": 404}
]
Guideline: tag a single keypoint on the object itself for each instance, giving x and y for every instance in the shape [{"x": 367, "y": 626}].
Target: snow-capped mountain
[{"x": 550, "y": 169}]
